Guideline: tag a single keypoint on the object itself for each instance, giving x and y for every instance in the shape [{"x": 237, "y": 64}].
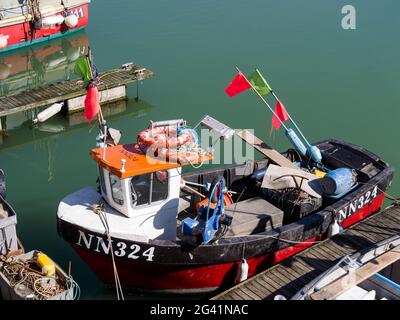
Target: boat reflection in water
[
  {"x": 17, "y": 134},
  {"x": 48, "y": 135},
  {"x": 29, "y": 68},
  {"x": 53, "y": 61}
]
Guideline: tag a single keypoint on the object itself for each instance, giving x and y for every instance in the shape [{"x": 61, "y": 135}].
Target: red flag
[
  {"x": 238, "y": 85},
  {"x": 92, "y": 104},
  {"x": 280, "y": 111}
]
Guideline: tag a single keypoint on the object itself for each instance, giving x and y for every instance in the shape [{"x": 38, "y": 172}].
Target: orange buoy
[
  {"x": 178, "y": 156},
  {"x": 164, "y": 135},
  {"x": 227, "y": 201}
]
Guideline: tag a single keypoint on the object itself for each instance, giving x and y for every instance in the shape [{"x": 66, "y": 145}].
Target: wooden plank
[
  {"x": 235, "y": 296},
  {"x": 243, "y": 294},
  {"x": 297, "y": 266},
  {"x": 337, "y": 287},
  {"x": 392, "y": 225},
  {"x": 257, "y": 289},
  {"x": 278, "y": 286},
  {"x": 373, "y": 235},
  {"x": 250, "y": 292},
  {"x": 318, "y": 251},
  {"x": 335, "y": 254},
  {"x": 335, "y": 247},
  {"x": 395, "y": 215},
  {"x": 353, "y": 244},
  {"x": 272, "y": 154},
  {"x": 315, "y": 262},
  {"x": 65, "y": 90},
  {"x": 262, "y": 281},
  {"x": 285, "y": 280}
]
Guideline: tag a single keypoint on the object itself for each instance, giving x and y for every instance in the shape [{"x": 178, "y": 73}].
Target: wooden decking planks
[
  {"x": 288, "y": 277},
  {"x": 65, "y": 90}
]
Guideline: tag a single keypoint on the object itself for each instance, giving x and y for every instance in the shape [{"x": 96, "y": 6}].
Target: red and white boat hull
[
  {"x": 19, "y": 32},
  {"x": 190, "y": 277}
]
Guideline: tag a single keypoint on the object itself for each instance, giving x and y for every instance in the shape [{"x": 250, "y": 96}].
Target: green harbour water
[{"x": 336, "y": 83}]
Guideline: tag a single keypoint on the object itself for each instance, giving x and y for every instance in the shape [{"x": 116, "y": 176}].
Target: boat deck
[
  {"x": 291, "y": 275},
  {"x": 63, "y": 91}
]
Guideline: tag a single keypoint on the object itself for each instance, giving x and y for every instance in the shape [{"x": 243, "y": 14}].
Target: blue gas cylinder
[{"x": 338, "y": 181}]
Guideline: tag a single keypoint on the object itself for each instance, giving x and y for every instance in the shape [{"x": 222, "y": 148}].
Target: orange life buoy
[
  {"x": 166, "y": 136},
  {"x": 178, "y": 156}
]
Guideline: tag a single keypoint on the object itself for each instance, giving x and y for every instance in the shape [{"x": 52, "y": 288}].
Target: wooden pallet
[
  {"x": 289, "y": 276},
  {"x": 63, "y": 91}
]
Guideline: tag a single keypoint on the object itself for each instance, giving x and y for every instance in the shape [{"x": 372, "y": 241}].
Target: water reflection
[
  {"x": 19, "y": 130},
  {"x": 46, "y": 137},
  {"x": 53, "y": 61}
]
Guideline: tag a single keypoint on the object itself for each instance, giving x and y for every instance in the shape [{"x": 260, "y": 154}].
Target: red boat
[
  {"x": 208, "y": 229},
  {"x": 23, "y": 23}
]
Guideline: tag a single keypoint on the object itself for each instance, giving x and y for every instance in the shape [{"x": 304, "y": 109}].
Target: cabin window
[
  {"x": 102, "y": 181},
  {"x": 149, "y": 188},
  {"x": 116, "y": 189}
]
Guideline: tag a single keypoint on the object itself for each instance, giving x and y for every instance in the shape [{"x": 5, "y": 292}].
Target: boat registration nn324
[
  {"x": 121, "y": 249},
  {"x": 357, "y": 204}
]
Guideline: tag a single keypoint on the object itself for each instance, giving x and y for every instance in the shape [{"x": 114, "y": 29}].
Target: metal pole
[
  {"x": 290, "y": 118},
  {"x": 265, "y": 102},
  {"x": 137, "y": 90}
]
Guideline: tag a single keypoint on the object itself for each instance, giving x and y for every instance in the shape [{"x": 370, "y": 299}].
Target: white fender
[
  {"x": 334, "y": 228},
  {"x": 51, "y": 21},
  {"x": 3, "y": 41},
  {"x": 243, "y": 271},
  {"x": 48, "y": 113},
  {"x": 71, "y": 21}
]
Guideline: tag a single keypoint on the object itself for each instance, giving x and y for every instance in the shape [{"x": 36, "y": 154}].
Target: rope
[
  {"x": 71, "y": 284},
  {"x": 99, "y": 209},
  {"x": 37, "y": 286}
]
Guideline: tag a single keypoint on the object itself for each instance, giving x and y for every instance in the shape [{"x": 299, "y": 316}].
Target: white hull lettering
[
  {"x": 357, "y": 204},
  {"x": 86, "y": 241},
  {"x": 121, "y": 249},
  {"x": 105, "y": 247}
]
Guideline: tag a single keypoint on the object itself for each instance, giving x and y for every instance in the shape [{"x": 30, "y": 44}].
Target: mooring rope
[{"x": 99, "y": 209}]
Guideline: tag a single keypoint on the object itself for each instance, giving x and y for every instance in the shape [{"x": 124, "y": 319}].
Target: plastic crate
[{"x": 8, "y": 233}]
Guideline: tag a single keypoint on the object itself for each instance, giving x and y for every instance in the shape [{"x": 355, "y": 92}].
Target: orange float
[
  {"x": 227, "y": 201},
  {"x": 166, "y": 136},
  {"x": 178, "y": 156}
]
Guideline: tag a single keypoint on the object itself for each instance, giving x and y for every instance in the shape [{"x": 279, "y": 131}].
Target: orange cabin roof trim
[{"x": 137, "y": 162}]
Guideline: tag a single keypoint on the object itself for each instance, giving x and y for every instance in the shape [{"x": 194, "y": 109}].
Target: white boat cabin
[{"x": 144, "y": 190}]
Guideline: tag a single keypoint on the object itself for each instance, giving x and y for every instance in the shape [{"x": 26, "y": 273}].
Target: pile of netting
[{"x": 28, "y": 281}]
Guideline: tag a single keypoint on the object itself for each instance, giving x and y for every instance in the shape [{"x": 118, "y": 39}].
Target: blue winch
[{"x": 207, "y": 221}]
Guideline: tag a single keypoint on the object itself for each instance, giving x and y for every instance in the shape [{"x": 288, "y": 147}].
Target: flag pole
[
  {"x": 312, "y": 151},
  {"x": 290, "y": 118},
  {"x": 262, "y": 98}
]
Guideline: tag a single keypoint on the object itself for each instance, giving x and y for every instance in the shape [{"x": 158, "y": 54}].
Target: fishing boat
[
  {"x": 23, "y": 23},
  {"x": 27, "y": 275},
  {"x": 372, "y": 274},
  {"x": 152, "y": 227}
]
